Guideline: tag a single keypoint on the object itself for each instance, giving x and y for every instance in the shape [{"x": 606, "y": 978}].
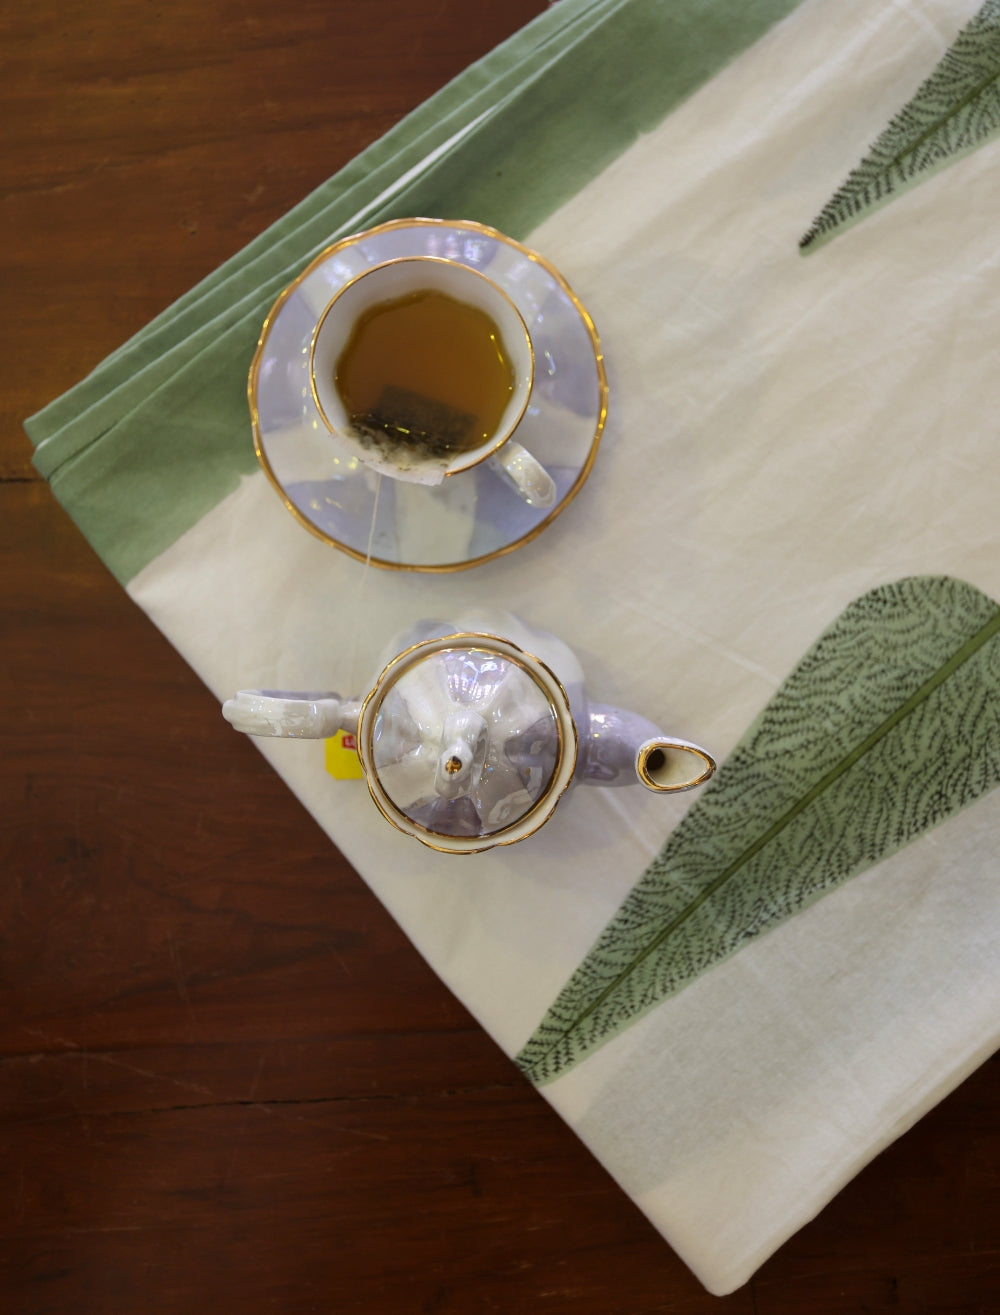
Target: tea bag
[{"x": 402, "y": 421}]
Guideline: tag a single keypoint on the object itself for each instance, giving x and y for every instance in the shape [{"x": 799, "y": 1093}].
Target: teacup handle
[{"x": 525, "y": 475}]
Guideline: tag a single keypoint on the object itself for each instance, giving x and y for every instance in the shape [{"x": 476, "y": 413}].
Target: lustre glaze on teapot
[{"x": 474, "y": 729}]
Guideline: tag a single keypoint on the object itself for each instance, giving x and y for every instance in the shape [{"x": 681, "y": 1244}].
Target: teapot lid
[{"x": 467, "y": 742}]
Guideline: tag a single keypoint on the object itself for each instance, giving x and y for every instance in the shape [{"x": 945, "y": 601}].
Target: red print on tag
[{"x": 349, "y": 741}]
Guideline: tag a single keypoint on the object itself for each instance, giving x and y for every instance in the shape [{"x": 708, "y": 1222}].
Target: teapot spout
[
  {"x": 622, "y": 748},
  {"x": 289, "y": 715}
]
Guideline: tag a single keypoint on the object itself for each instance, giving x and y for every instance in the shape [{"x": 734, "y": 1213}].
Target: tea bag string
[{"x": 354, "y": 612}]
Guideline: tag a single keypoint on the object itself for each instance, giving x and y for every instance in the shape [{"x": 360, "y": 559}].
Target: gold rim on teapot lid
[{"x": 467, "y": 742}]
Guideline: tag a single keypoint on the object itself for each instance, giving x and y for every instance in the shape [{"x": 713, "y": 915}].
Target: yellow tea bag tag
[{"x": 342, "y": 761}]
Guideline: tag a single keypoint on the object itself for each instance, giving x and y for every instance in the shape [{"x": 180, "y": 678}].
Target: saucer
[{"x": 473, "y": 516}]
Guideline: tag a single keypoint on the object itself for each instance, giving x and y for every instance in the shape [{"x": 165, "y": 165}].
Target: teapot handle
[{"x": 288, "y": 715}]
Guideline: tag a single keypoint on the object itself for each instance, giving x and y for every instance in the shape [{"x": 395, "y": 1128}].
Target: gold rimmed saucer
[{"x": 473, "y": 516}]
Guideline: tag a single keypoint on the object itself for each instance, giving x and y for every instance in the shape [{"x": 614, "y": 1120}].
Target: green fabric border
[{"x": 159, "y": 433}]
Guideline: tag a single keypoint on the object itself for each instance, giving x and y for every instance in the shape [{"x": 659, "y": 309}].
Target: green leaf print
[
  {"x": 956, "y": 110},
  {"x": 888, "y": 725}
]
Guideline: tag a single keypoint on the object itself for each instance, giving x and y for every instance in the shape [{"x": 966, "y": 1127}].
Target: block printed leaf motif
[
  {"x": 888, "y": 725},
  {"x": 956, "y": 110}
]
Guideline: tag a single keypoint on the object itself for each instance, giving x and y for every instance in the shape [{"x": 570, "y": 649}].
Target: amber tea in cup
[
  {"x": 427, "y": 372},
  {"x": 421, "y": 368}
]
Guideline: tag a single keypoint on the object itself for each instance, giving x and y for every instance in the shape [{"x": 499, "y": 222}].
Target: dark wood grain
[{"x": 227, "y": 1081}]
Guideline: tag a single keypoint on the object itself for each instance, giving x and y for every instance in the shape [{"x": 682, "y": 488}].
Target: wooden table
[{"x": 227, "y": 1081}]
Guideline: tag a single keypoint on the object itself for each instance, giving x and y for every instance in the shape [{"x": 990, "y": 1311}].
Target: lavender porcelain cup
[{"x": 396, "y": 279}]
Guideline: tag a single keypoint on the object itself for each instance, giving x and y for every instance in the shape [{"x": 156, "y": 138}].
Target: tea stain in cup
[{"x": 424, "y": 378}]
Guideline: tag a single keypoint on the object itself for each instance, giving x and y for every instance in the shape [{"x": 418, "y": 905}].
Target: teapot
[{"x": 475, "y": 729}]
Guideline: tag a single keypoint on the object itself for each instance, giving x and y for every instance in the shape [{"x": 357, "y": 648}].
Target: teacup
[{"x": 422, "y": 368}]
